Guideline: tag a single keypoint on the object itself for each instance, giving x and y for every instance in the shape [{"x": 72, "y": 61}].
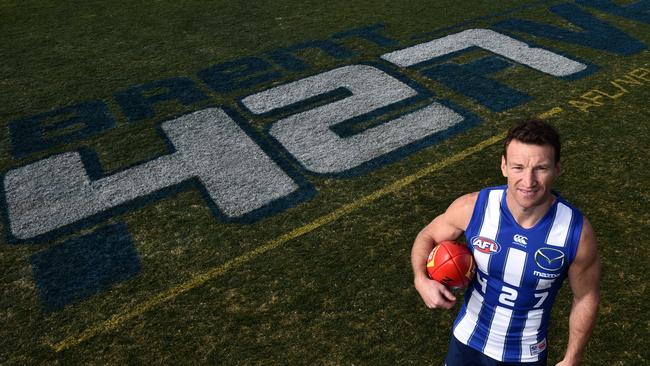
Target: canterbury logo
[{"x": 520, "y": 239}]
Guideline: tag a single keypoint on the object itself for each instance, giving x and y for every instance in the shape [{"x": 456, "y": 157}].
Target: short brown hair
[{"x": 536, "y": 132}]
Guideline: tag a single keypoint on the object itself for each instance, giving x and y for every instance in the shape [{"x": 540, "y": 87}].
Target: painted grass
[{"x": 340, "y": 293}]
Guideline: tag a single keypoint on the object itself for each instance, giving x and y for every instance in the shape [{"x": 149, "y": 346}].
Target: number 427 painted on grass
[{"x": 341, "y": 122}]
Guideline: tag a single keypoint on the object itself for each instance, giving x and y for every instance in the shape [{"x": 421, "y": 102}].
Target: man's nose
[{"x": 529, "y": 178}]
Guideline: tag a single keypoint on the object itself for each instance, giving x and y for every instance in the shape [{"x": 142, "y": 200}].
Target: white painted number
[
  {"x": 308, "y": 135},
  {"x": 537, "y": 58},
  {"x": 210, "y": 146}
]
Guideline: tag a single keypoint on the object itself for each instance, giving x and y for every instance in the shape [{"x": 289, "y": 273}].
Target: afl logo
[{"x": 485, "y": 245}]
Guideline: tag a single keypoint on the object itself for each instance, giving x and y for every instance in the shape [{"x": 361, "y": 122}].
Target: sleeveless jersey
[{"x": 507, "y": 306}]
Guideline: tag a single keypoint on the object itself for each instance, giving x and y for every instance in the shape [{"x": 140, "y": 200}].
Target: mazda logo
[{"x": 549, "y": 259}]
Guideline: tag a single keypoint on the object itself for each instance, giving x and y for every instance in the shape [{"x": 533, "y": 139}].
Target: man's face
[{"x": 531, "y": 170}]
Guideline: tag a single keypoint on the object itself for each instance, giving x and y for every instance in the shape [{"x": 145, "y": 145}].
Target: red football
[{"x": 451, "y": 264}]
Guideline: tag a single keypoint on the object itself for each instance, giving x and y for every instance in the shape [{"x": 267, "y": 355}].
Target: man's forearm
[
  {"x": 419, "y": 253},
  {"x": 581, "y": 323}
]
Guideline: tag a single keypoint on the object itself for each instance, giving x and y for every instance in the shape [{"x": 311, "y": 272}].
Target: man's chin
[{"x": 529, "y": 201}]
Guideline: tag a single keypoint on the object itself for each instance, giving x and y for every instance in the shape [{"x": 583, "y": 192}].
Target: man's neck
[{"x": 528, "y": 217}]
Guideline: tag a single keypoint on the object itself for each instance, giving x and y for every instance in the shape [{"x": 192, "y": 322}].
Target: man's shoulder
[
  {"x": 566, "y": 203},
  {"x": 461, "y": 210},
  {"x": 465, "y": 202},
  {"x": 469, "y": 200},
  {"x": 487, "y": 190}
]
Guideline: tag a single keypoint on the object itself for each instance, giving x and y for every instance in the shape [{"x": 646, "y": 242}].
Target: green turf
[{"x": 342, "y": 293}]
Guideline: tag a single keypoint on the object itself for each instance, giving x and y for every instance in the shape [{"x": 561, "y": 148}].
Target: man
[{"x": 525, "y": 240}]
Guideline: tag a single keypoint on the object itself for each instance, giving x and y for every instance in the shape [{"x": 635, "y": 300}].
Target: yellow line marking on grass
[
  {"x": 118, "y": 319},
  {"x": 551, "y": 112}
]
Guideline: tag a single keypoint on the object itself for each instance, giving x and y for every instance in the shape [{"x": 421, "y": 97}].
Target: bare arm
[
  {"x": 448, "y": 226},
  {"x": 584, "y": 278}
]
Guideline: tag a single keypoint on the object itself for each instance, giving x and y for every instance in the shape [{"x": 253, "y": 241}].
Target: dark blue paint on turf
[
  {"x": 44, "y": 131},
  {"x": 597, "y": 34},
  {"x": 469, "y": 79},
  {"x": 639, "y": 11},
  {"x": 95, "y": 171},
  {"x": 435, "y": 33},
  {"x": 248, "y": 72},
  {"x": 368, "y": 33},
  {"x": 81, "y": 267},
  {"x": 138, "y": 105},
  {"x": 286, "y": 57},
  {"x": 238, "y": 74}
]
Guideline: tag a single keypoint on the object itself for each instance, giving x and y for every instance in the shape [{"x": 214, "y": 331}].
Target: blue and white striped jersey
[{"x": 519, "y": 272}]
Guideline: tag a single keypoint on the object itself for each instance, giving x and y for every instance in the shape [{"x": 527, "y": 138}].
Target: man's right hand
[
  {"x": 434, "y": 293},
  {"x": 448, "y": 226}
]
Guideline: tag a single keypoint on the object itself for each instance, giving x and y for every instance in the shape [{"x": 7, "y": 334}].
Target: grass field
[{"x": 324, "y": 279}]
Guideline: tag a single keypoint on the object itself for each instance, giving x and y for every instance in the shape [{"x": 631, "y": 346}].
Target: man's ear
[
  {"x": 558, "y": 168},
  {"x": 504, "y": 166}
]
